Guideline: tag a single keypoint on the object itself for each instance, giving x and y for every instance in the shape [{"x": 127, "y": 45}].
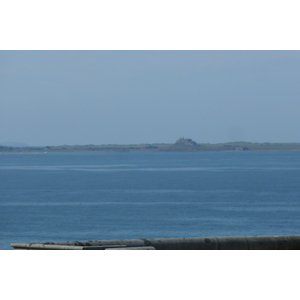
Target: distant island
[{"x": 181, "y": 145}]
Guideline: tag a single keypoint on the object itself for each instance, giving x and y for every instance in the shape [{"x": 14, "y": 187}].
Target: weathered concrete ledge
[{"x": 270, "y": 242}]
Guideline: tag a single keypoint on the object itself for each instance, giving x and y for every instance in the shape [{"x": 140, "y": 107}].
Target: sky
[{"x": 133, "y": 97}]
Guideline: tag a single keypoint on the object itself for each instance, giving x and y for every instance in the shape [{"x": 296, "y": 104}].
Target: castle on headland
[{"x": 184, "y": 141}]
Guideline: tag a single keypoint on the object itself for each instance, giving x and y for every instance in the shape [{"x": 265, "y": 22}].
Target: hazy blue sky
[{"x": 123, "y": 97}]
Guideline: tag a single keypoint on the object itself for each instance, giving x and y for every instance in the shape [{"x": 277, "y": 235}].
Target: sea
[{"x": 91, "y": 196}]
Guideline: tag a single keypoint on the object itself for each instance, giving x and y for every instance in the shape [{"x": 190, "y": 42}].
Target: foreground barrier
[{"x": 270, "y": 242}]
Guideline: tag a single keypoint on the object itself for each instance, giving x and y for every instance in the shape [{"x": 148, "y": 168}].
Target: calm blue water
[{"x": 71, "y": 196}]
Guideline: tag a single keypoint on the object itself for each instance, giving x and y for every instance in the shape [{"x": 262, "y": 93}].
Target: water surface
[{"x": 84, "y": 196}]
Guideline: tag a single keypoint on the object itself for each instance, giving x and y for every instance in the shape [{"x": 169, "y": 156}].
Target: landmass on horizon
[{"x": 181, "y": 145}]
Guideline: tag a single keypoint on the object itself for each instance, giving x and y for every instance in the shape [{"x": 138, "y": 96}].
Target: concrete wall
[{"x": 274, "y": 242}]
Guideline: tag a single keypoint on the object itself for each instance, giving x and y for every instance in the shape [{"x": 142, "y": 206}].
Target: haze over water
[
  {"x": 131, "y": 97},
  {"x": 123, "y": 97}
]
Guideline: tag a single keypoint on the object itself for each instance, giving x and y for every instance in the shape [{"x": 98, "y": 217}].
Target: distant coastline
[{"x": 181, "y": 145}]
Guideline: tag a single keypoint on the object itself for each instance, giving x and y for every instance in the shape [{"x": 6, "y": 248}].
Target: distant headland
[{"x": 181, "y": 145}]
